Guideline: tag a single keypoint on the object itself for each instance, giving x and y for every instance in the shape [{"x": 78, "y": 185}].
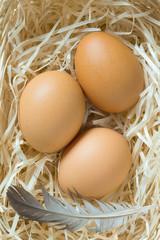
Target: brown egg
[
  {"x": 51, "y": 111},
  {"x": 95, "y": 163},
  {"x": 108, "y": 71}
]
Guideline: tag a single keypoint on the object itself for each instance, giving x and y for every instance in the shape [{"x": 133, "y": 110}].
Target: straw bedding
[{"x": 39, "y": 35}]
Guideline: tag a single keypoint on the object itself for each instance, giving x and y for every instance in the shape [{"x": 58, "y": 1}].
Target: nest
[{"x": 38, "y": 36}]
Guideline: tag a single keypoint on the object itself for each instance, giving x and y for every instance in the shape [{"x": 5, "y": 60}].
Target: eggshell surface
[
  {"x": 95, "y": 163},
  {"x": 108, "y": 71},
  {"x": 51, "y": 111}
]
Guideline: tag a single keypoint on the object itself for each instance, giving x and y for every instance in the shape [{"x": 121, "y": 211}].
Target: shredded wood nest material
[{"x": 37, "y": 36}]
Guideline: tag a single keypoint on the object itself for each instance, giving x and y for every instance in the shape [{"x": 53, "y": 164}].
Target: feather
[{"x": 110, "y": 215}]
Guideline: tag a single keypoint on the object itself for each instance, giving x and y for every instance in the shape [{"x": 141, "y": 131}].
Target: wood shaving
[{"x": 37, "y": 36}]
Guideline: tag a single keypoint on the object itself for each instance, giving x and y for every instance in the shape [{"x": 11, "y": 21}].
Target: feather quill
[{"x": 110, "y": 215}]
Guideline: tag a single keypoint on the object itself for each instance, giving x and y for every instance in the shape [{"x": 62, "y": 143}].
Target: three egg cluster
[{"x": 52, "y": 109}]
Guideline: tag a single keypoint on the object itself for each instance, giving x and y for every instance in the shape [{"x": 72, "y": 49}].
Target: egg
[
  {"x": 95, "y": 163},
  {"x": 108, "y": 71},
  {"x": 51, "y": 111}
]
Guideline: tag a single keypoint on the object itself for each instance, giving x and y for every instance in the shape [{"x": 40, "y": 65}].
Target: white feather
[{"x": 110, "y": 215}]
